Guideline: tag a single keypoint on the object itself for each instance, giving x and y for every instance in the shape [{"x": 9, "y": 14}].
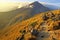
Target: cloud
[
  {"x": 4, "y": 7},
  {"x": 8, "y": 0},
  {"x": 8, "y": 6}
]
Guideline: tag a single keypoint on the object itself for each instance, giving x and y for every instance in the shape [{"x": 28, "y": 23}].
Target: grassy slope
[
  {"x": 13, "y": 32},
  {"x": 8, "y": 18}
]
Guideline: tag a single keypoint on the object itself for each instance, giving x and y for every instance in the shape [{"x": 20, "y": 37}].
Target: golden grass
[{"x": 13, "y": 32}]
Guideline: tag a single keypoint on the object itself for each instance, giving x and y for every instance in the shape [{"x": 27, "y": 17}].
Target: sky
[
  {"x": 49, "y": 1},
  {"x": 6, "y": 6}
]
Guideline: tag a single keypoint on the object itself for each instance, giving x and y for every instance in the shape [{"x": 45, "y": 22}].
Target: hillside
[
  {"x": 21, "y": 14},
  {"x": 43, "y": 26}
]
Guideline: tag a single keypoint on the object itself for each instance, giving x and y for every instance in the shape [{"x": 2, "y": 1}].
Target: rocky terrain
[{"x": 43, "y": 26}]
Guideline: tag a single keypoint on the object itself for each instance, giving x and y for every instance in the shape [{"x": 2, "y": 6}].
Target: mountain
[
  {"x": 51, "y": 7},
  {"x": 31, "y": 10},
  {"x": 43, "y": 26},
  {"x": 8, "y": 18},
  {"x": 37, "y": 7}
]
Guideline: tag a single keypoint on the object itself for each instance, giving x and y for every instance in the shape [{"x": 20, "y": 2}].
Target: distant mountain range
[{"x": 51, "y": 7}]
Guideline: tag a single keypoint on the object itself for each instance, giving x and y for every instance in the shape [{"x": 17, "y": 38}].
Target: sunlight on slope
[{"x": 39, "y": 22}]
